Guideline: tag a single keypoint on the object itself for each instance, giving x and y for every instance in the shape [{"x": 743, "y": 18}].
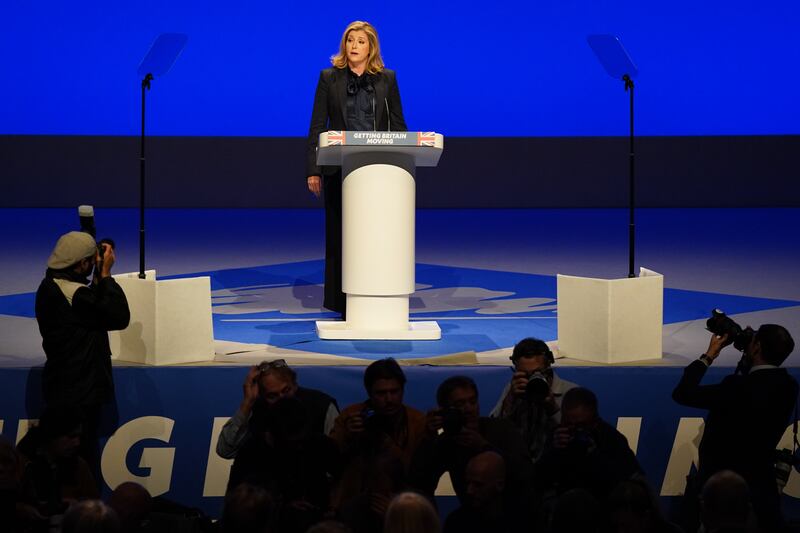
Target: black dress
[{"x": 344, "y": 101}]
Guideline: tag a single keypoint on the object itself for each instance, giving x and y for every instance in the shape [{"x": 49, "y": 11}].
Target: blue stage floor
[{"x": 487, "y": 276}]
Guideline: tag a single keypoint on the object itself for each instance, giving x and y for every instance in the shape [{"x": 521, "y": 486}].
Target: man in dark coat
[
  {"x": 747, "y": 415},
  {"x": 75, "y": 316}
]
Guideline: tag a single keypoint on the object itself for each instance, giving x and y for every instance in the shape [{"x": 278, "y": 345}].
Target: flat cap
[{"x": 71, "y": 248}]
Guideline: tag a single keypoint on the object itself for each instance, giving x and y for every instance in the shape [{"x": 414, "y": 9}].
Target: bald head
[
  {"x": 486, "y": 478},
  {"x": 131, "y": 502},
  {"x": 90, "y": 516},
  {"x": 725, "y": 500}
]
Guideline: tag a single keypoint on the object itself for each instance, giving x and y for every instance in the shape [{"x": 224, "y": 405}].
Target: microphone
[
  {"x": 374, "y": 123},
  {"x": 388, "y": 116},
  {"x": 86, "y": 216}
]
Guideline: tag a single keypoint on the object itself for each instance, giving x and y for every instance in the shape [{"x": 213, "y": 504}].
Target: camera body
[
  {"x": 538, "y": 387},
  {"x": 452, "y": 421},
  {"x": 721, "y": 324},
  {"x": 367, "y": 414}
]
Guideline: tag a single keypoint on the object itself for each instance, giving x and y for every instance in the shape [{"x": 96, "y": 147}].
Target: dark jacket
[
  {"x": 435, "y": 456},
  {"x": 330, "y": 110},
  {"x": 316, "y": 404},
  {"x": 75, "y": 340},
  {"x": 596, "y": 460},
  {"x": 747, "y": 416}
]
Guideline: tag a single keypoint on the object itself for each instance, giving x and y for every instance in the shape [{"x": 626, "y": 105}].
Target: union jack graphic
[
  {"x": 335, "y": 138},
  {"x": 426, "y": 138}
]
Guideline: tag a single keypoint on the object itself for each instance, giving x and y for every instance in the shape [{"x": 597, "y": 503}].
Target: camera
[
  {"x": 86, "y": 218},
  {"x": 537, "y": 388},
  {"x": 785, "y": 461},
  {"x": 721, "y": 324},
  {"x": 367, "y": 414},
  {"x": 452, "y": 421}
]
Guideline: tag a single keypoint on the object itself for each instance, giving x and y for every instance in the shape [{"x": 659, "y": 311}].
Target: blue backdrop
[
  {"x": 190, "y": 397},
  {"x": 512, "y": 68}
]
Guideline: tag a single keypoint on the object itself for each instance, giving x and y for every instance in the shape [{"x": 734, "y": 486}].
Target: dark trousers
[{"x": 332, "y": 190}]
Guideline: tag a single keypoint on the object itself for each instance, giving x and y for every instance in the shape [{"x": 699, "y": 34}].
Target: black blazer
[
  {"x": 330, "y": 110},
  {"x": 746, "y": 420}
]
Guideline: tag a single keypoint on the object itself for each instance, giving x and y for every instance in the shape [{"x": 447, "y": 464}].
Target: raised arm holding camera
[{"x": 748, "y": 411}]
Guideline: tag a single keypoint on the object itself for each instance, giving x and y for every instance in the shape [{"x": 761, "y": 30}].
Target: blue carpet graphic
[{"x": 477, "y": 309}]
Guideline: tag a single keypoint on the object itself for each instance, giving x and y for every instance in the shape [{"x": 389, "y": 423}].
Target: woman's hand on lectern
[{"x": 315, "y": 185}]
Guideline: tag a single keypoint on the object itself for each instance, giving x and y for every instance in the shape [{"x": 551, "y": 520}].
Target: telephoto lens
[{"x": 537, "y": 388}]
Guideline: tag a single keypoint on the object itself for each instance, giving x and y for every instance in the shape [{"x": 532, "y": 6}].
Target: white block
[
  {"x": 170, "y": 321},
  {"x": 611, "y": 321},
  {"x": 419, "y": 331}
]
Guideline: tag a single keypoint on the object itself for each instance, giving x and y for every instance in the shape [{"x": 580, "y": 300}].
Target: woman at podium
[{"x": 357, "y": 94}]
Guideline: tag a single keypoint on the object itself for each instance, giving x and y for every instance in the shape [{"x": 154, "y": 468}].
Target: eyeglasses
[{"x": 265, "y": 366}]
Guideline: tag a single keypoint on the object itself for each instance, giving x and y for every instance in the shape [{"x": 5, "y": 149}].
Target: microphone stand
[
  {"x": 145, "y": 87},
  {"x": 632, "y": 198}
]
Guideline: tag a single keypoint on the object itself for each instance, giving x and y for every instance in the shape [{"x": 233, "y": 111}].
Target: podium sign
[{"x": 378, "y": 212}]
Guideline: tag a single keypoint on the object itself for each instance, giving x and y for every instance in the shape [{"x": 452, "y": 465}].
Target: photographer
[
  {"x": 455, "y": 433},
  {"x": 290, "y": 460},
  {"x": 532, "y": 400},
  {"x": 74, "y": 319},
  {"x": 747, "y": 412},
  {"x": 380, "y": 425},
  {"x": 587, "y": 452},
  {"x": 264, "y": 385}
]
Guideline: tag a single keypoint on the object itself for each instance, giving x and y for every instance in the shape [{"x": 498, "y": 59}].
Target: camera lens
[{"x": 537, "y": 388}]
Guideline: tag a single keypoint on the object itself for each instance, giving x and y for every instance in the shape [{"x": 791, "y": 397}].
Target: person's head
[
  {"x": 385, "y": 382},
  {"x": 247, "y": 509},
  {"x": 633, "y": 507},
  {"x": 359, "y": 46},
  {"x": 485, "y": 477},
  {"x": 132, "y": 504},
  {"x": 276, "y": 380},
  {"x": 725, "y": 501},
  {"x": 460, "y": 392},
  {"x": 410, "y": 512},
  {"x": 90, "y": 516},
  {"x": 579, "y": 408},
  {"x": 59, "y": 432},
  {"x": 771, "y": 345},
  {"x": 533, "y": 355},
  {"x": 74, "y": 252}
]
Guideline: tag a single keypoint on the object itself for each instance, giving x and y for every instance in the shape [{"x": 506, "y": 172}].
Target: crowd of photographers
[{"x": 543, "y": 459}]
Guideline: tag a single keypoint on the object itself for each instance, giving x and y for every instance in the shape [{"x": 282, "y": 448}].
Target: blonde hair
[
  {"x": 374, "y": 62},
  {"x": 410, "y": 512}
]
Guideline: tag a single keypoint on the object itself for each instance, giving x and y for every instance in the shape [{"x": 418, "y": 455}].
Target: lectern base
[{"x": 420, "y": 331}]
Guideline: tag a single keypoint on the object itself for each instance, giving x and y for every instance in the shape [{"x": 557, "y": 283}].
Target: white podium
[
  {"x": 378, "y": 210},
  {"x": 170, "y": 321},
  {"x": 611, "y": 321}
]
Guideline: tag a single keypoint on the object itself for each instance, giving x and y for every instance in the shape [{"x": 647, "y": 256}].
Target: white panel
[
  {"x": 630, "y": 427},
  {"x": 184, "y": 329},
  {"x": 218, "y": 470},
  {"x": 611, "y": 321},
  {"x": 683, "y": 456}
]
